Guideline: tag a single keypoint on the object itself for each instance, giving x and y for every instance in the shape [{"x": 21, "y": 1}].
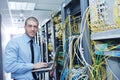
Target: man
[{"x": 18, "y": 56}]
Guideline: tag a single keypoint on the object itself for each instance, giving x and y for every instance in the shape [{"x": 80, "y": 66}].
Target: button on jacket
[{"x": 17, "y": 58}]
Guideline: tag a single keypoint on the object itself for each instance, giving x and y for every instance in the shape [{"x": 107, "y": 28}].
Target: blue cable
[{"x": 65, "y": 73}]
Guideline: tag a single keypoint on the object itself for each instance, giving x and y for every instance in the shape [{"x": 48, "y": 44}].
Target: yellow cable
[{"x": 117, "y": 12}]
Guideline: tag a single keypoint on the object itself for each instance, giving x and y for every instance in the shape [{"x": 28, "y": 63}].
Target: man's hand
[{"x": 40, "y": 65}]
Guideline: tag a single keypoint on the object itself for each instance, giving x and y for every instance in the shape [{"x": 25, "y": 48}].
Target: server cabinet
[
  {"x": 104, "y": 19},
  {"x": 1, "y": 61},
  {"x": 75, "y": 44},
  {"x": 46, "y": 46},
  {"x": 57, "y": 41}
]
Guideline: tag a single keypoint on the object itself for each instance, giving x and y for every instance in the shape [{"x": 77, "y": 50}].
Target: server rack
[
  {"x": 105, "y": 38},
  {"x": 45, "y": 40},
  {"x": 1, "y": 61},
  {"x": 57, "y": 41},
  {"x": 46, "y": 46},
  {"x": 72, "y": 12}
]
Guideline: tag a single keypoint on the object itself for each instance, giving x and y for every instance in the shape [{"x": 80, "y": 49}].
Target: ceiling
[{"x": 42, "y": 11}]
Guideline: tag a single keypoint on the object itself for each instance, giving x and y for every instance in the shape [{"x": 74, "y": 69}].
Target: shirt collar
[{"x": 27, "y": 38}]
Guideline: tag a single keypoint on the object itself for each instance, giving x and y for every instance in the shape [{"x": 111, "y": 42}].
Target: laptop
[{"x": 48, "y": 68}]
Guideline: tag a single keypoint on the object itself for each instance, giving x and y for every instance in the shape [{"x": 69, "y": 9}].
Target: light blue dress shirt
[{"x": 17, "y": 58}]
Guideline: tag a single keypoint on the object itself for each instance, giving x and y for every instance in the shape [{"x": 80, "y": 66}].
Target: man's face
[{"x": 31, "y": 28}]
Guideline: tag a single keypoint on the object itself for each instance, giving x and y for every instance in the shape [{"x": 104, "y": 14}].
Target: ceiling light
[
  {"x": 21, "y": 6},
  {"x": 21, "y": 14}
]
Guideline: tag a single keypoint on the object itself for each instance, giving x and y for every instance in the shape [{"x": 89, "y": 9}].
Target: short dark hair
[{"x": 32, "y": 18}]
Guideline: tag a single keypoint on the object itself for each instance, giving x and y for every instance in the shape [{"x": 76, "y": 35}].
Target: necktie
[{"x": 32, "y": 56}]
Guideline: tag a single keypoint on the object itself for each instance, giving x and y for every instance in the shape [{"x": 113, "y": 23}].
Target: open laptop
[{"x": 46, "y": 69}]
